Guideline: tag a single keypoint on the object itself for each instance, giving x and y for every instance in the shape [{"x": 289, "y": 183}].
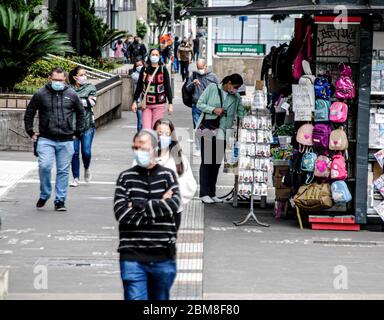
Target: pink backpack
[
  {"x": 345, "y": 87},
  {"x": 304, "y": 135},
  {"x": 338, "y": 168},
  {"x": 338, "y": 140},
  {"x": 338, "y": 112},
  {"x": 322, "y": 167}
]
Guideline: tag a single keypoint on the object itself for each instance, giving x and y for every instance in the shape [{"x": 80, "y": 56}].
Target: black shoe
[
  {"x": 60, "y": 206},
  {"x": 41, "y": 203}
]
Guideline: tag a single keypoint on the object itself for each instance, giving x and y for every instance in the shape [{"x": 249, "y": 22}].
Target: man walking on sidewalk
[
  {"x": 185, "y": 55},
  {"x": 56, "y": 103},
  {"x": 146, "y": 205},
  {"x": 197, "y": 83}
]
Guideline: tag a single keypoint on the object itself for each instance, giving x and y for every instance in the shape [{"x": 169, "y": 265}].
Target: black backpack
[{"x": 188, "y": 96}]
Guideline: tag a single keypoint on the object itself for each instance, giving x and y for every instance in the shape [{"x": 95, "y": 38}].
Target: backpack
[
  {"x": 322, "y": 110},
  {"x": 338, "y": 140},
  {"x": 308, "y": 164},
  {"x": 304, "y": 135},
  {"x": 340, "y": 192},
  {"x": 320, "y": 136},
  {"x": 314, "y": 196},
  {"x": 322, "y": 90},
  {"x": 338, "y": 168},
  {"x": 308, "y": 78},
  {"x": 322, "y": 167},
  {"x": 338, "y": 112},
  {"x": 345, "y": 87},
  {"x": 186, "y": 95}
]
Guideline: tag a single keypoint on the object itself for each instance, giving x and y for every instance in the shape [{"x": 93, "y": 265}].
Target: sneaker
[
  {"x": 87, "y": 175},
  {"x": 207, "y": 200},
  {"x": 217, "y": 200},
  {"x": 41, "y": 203},
  {"x": 60, "y": 206},
  {"x": 75, "y": 183}
]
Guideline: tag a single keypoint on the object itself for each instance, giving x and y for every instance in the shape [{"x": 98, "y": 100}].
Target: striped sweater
[{"x": 147, "y": 223}]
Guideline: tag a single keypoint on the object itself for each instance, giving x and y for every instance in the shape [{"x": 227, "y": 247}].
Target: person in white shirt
[{"x": 171, "y": 156}]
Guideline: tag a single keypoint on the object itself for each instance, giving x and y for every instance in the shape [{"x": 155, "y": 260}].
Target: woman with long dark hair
[
  {"x": 154, "y": 88},
  {"x": 220, "y": 104},
  {"x": 171, "y": 156},
  {"x": 87, "y": 93}
]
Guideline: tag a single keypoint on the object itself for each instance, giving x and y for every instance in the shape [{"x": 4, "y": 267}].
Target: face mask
[
  {"x": 138, "y": 69},
  {"x": 201, "y": 71},
  {"x": 165, "y": 142},
  {"x": 57, "y": 85},
  {"x": 155, "y": 59},
  {"x": 81, "y": 79},
  {"x": 233, "y": 91},
  {"x": 143, "y": 158}
]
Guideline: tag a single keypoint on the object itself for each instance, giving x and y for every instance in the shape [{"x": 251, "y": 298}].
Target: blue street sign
[{"x": 243, "y": 18}]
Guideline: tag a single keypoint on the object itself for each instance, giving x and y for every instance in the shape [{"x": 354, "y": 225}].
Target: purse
[{"x": 143, "y": 101}]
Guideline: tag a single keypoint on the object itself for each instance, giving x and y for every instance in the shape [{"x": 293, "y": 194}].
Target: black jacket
[{"x": 56, "y": 110}]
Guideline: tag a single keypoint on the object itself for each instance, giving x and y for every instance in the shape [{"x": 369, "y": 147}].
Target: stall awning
[{"x": 285, "y": 7}]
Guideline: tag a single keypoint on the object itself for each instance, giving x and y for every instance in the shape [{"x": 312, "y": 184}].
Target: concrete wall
[
  {"x": 248, "y": 67},
  {"x": 12, "y": 109}
]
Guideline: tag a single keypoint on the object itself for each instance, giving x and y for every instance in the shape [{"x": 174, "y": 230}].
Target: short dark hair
[
  {"x": 57, "y": 70},
  {"x": 235, "y": 79}
]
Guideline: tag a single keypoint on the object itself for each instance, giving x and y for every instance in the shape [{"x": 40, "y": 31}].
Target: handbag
[
  {"x": 143, "y": 101},
  {"x": 314, "y": 197},
  {"x": 212, "y": 124}
]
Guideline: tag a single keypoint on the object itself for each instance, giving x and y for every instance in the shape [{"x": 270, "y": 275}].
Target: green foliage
[
  {"x": 101, "y": 64},
  {"x": 141, "y": 29},
  {"x": 24, "y": 41},
  {"x": 43, "y": 67},
  {"x": 22, "y": 5},
  {"x": 94, "y": 34}
]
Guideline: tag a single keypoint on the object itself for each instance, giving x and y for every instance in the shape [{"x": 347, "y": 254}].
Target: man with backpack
[
  {"x": 137, "y": 50},
  {"x": 193, "y": 89}
]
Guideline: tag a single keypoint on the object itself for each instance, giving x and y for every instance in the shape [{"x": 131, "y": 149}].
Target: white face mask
[
  {"x": 81, "y": 79},
  {"x": 138, "y": 69},
  {"x": 155, "y": 59},
  {"x": 201, "y": 71}
]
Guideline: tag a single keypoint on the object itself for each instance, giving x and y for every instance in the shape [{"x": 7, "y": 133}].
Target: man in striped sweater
[{"x": 146, "y": 205}]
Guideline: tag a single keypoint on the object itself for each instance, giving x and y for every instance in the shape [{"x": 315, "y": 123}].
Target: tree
[
  {"x": 141, "y": 29},
  {"x": 160, "y": 12},
  {"x": 22, "y": 5},
  {"x": 94, "y": 33},
  {"x": 24, "y": 41}
]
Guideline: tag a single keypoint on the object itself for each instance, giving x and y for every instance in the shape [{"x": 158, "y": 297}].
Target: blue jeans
[
  {"x": 176, "y": 65},
  {"x": 86, "y": 152},
  {"x": 48, "y": 152},
  {"x": 139, "y": 114},
  {"x": 147, "y": 281}
]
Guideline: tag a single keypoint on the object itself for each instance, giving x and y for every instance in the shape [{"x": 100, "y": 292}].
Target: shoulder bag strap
[
  {"x": 220, "y": 95},
  {"x": 149, "y": 83}
]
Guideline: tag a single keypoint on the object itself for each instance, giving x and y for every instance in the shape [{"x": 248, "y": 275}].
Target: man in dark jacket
[
  {"x": 56, "y": 103},
  {"x": 137, "y": 50},
  {"x": 146, "y": 205}
]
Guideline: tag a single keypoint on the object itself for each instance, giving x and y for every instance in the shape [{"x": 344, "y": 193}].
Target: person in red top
[{"x": 159, "y": 92}]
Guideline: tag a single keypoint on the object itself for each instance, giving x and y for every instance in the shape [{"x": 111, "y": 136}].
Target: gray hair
[{"x": 151, "y": 133}]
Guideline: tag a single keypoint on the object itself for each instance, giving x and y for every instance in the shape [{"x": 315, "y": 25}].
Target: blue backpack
[
  {"x": 308, "y": 164},
  {"x": 322, "y": 108},
  {"x": 340, "y": 192},
  {"x": 322, "y": 90}
]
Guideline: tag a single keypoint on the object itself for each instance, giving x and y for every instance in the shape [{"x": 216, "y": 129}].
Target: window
[{"x": 129, "y": 5}]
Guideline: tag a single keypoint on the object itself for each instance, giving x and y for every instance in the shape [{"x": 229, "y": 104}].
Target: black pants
[
  {"x": 212, "y": 154},
  {"x": 184, "y": 69}
]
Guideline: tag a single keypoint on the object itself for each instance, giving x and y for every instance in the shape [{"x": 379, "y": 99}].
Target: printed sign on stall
[{"x": 303, "y": 102}]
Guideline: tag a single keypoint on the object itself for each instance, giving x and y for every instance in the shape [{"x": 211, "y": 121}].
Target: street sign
[
  {"x": 240, "y": 48},
  {"x": 243, "y": 18}
]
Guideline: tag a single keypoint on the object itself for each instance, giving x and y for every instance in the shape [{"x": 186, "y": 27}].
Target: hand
[
  {"x": 170, "y": 109},
  {"x": 130, "y": 205},
  {"x": 196, "y": 82},
  {"x": 35, "y": 136},
  {"x": 134, "y": 107},
  {"x": 218, "y": 111},
  {"x": 168, "y": 195}
]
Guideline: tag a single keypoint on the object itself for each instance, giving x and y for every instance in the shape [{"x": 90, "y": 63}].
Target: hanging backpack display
[
  {"x": 320, "y": 136},
  {"x": 322, "y": 110},
  {"x": 322, "y": 167},
  {"x": 338, "y": 140},
  {"x": 345, "y": 87},
  {"x": 308, "y": 78},
  {"x": 338, "y": 168},
  {"x": 308, "y": 164},
  {"x": 314, "y": 197},
  {"x": 340, "y": 192},
  {"x": 338, "y": 112},
  {"x": 304, "y": 136},
  {"x": 322, "y": 90}
]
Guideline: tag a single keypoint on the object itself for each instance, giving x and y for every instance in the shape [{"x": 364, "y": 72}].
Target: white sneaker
[
  {"x": 207, "y": 200},
  {"x": 87, "y": 175},
  {"x": 75, "y": 183},
  {"x": 217, "y": 200}
]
